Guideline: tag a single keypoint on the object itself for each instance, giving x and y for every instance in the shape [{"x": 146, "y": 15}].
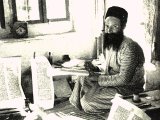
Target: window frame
[{"x": 43, "y": 13}]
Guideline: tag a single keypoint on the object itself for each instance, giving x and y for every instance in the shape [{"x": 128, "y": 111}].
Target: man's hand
[{"x": 90, "y": 67}]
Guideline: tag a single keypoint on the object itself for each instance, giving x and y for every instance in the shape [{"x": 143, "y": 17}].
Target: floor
[
  {"x": 61, "y": 111},
  {"x": 65, "y": 108}
]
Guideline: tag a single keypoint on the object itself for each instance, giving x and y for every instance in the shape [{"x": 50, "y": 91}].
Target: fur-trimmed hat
[{"x": 118, "y": 12}]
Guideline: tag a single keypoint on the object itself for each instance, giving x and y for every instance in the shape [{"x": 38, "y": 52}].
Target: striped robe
[{"x": 124, "y": 74}]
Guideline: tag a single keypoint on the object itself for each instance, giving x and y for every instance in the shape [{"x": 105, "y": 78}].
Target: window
[
  {"x": 43, "y": 11},
  {"x": 58, "y": 10}
]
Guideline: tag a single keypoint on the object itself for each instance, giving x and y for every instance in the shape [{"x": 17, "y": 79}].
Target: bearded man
[{"x": 122, "y": 66}]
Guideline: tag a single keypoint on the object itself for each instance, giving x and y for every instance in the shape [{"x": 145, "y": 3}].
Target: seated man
[{"x": 123, "y": 68}]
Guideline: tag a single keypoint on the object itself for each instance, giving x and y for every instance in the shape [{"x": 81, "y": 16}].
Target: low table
[{"x": 150, "y": 103}]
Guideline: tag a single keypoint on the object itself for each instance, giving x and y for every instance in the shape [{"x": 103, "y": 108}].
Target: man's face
[
  {"x": 113, "y": 33},
  {"x": 112, "y": 25}
]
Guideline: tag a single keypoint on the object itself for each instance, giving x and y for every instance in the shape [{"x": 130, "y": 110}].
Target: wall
[
  {"x": 143, "y": 27},
  {"x": 74, "y": 37},
  {"x": 152, "y": 36},
  {"x": 58, "y": 45},
  {"x": 157, "y": 42},
  {"x": 135, "y": 27}
]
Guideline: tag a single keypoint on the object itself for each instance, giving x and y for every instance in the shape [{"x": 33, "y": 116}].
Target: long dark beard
[{"x": 113, "y": 40}]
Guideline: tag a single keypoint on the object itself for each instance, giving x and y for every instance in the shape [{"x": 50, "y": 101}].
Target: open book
[
  {"x": 11, "y": 93},
  {"x": 43, "y": 89},
  {"x": 124, "y": 110}
]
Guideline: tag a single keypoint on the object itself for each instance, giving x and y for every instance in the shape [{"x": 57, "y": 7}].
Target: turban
[{"x": 117, "y": 12}]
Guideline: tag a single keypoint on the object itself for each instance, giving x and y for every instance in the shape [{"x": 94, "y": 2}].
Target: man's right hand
[{"x": 90, "y": 67}]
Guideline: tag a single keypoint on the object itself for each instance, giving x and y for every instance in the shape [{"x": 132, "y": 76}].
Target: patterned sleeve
[{"x": 128, "y": 63}]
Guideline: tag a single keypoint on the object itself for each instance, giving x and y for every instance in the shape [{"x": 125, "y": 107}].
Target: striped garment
[{"x": 124, "y": 74}]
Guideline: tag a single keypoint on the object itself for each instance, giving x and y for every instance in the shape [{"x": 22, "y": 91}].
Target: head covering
[{"x": 117, "y": 12}]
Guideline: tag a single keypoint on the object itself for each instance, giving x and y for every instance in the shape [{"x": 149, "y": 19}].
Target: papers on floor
[
  {"x": 42, "y": 115},
  {"x": 11, "y": 93},
  {"x": 124, "y": 110},
  {"x": 61, "y": 116}
]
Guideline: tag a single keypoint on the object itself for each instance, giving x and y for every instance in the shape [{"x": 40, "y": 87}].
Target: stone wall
[
  {"x": 152, "y": 29},
  {"x": 150, "y": 22}
]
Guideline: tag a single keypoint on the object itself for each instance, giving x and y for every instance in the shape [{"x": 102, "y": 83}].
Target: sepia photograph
[{"x": 79, "y": 60}]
